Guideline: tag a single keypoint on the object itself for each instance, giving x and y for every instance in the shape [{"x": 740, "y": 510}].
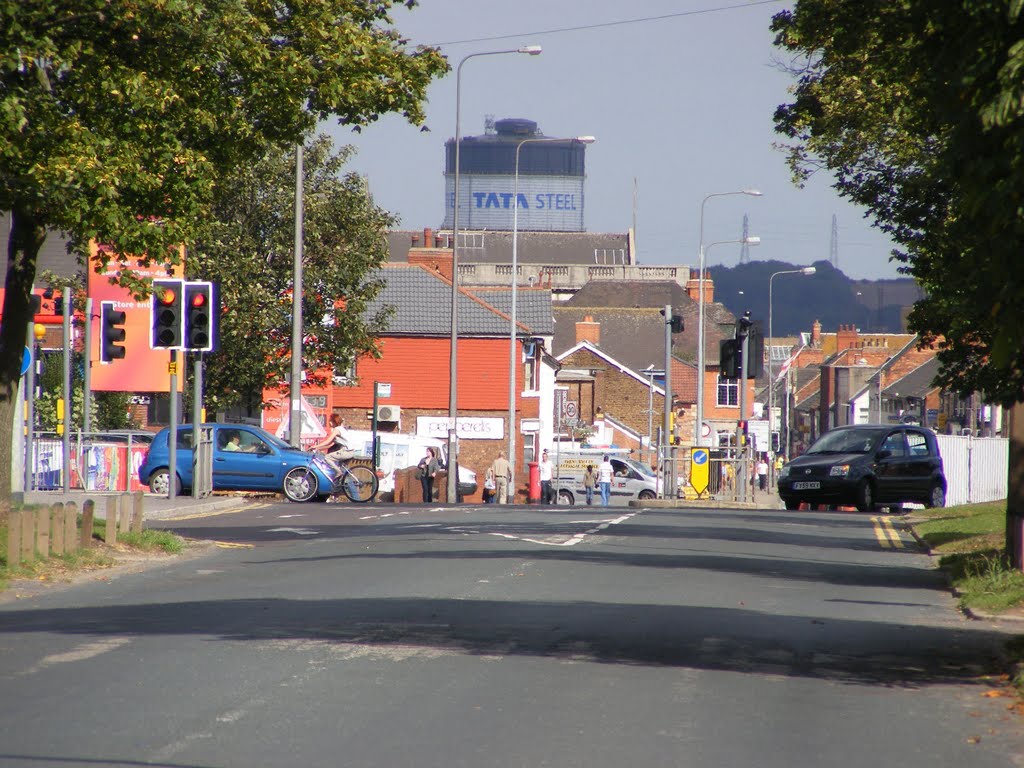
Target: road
[{"x": 336, "y": 635}]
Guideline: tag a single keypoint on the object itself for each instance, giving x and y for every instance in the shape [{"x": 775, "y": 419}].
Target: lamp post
[
  {"x": 748, "y": 240},
  {"x": 701, "y": 364},
  {"x": 453, "y": 408},
  {"x": 512, "y": 324},
  {"x": 771, "y": 380}
]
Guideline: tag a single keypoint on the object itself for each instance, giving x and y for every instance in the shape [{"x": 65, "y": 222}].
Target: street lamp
[
  {"x": 701, "y": 364},
  {"x": 512, "y": 325},
  {"x": 453, "y": 408},
  {"x": 771, "y": 380},
  {"x": 748, "y": 240}
]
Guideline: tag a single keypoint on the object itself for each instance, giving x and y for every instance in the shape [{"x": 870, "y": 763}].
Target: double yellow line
[{"x": 886, "y": 534}]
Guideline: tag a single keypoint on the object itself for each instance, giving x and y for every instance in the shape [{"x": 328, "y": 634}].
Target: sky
[{"x": 679, "y": 95}]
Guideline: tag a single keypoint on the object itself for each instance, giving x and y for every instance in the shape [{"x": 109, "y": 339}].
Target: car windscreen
[
  {"x": 643, "y": 469},
  {"x": 848, "y": 441}
]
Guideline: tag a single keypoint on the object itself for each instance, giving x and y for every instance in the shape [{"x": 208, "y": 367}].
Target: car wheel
[
  {"x": 865, "y": 499},
  {"x": 160, "y": 483},
  {"x": 792, "y": 503},
  {"x": 300, "y": 484},
  {"x": 646, "y": 495},
  {"x": 937, "y": 498},
  {"x": 566, "y": 498}
]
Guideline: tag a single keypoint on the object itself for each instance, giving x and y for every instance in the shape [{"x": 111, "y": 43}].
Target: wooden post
[
  {"x": 70, "y": 527},
  {"x": 125, "y": 516},
  {"x": 57, "y": 529},
  {"x": 137, "y": 498},
  {"x": 111, "y": 530},
  {"x": 88, "y": 510},
  {"x": 28, "y": 536},
  {"x": 1015, "y": 490},
  {"x": 14, "y": 518},
  {"x": 43, "y": 531}
]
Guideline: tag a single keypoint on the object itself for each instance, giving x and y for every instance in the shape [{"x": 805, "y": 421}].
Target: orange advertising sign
[{"x": 142, "y": 369}]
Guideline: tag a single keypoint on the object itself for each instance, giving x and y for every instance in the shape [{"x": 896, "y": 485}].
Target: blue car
[{"x": 245, "y": 458}]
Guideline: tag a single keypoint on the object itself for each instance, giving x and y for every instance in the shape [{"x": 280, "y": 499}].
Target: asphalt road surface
[{"x": 385, "y": 636}]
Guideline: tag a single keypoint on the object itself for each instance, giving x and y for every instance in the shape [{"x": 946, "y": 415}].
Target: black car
[{"x": 867, "y": 465}]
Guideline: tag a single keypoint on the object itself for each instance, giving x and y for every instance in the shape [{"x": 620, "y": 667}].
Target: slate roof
[
  {"x": 533, "y": 306},
  {"x": 494, "y": 247},
  {"x": 422, "y": 306},
  {"x": 632, "y": 327},
  {"x": 918, "y": 383}
]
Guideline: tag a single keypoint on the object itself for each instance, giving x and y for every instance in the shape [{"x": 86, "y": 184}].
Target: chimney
[
  {"x": 816, "y": 334},
  {"x": 693, "y": 286},
  {"x": 588, "y": 330},
  {"x": 846, "y": 337},
  {"x": 430, "y": 256}
]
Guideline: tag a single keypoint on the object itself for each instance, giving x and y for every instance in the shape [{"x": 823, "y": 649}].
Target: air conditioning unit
[{"x": 388, "y": 412}]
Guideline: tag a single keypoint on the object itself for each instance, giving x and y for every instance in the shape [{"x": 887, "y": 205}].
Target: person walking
[
  {"x": 604, "y": 478},
  {"x": 589, "y": 482},
  {"x": 546, "y": 472},
  {"x": 762, "y": 472},
  {"x": 426, "y": 471},
  {"x": 501, "y": 471}
]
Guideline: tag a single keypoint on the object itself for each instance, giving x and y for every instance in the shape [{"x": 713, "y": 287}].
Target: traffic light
[
  {"x": 111, "y": 332},
  {"x": 677, "y": 324},
  {"x": 671, "y": 427},
  {"x": 166, "y": 315},
  {"x": 776, "y": 441},
  {"x": 755, "y": 354},
  {"x": 730, "y": 359},
  {"x": 198, "y": 316}
]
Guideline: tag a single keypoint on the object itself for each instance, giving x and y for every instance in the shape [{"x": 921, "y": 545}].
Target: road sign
[
  {"x": 383, "y": 389},
  {"x": 26, "y": 361},
  {"x": 700, "y": 465},
  {"x": 572, "y": 409}
]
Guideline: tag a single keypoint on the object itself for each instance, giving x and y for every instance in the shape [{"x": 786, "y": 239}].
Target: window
[
  {"x": 918, "y": 444},
  {"x": 728, "y": 391},
  {"x": 894, "y": 443}
]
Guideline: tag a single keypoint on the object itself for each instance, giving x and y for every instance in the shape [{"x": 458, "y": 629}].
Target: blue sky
[{"x": 681, "y": 105}]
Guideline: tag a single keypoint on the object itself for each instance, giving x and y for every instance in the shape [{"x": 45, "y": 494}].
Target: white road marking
[
  {"x": 80, "y": 653},
  {"x": 573, "y": 540},
  {"x": 299, "y": 531}
]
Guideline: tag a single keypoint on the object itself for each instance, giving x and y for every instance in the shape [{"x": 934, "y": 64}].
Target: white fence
[{"x": 976, "y": 468}]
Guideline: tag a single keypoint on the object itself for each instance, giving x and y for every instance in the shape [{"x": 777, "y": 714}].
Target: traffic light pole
[
  {"x": 172, "y": 448},
  {"x": 668, "y": 475},
  {"x": 67, "y": 391},
  {"x": 197, "y": 418},
  {"x": 742, "y": 447},
  {"x": 87, "y": 369}
]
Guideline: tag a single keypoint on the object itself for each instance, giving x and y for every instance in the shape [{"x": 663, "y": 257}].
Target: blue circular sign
[
  {"x": 26, "y": 361},
  {"x": 700, "y": 457}
]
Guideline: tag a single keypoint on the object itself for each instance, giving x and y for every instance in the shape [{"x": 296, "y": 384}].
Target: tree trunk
[
  {"x": 1015, "y": 490},
  {"x": 25, "y": 240}
]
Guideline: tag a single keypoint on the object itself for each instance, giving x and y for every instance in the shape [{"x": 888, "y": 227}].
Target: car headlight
[
  {"x": 784, "y": 472},
  {"x": 839, "y": 470}
]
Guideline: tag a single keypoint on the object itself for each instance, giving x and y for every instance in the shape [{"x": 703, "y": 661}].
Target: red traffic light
[{"x": 167, "y": 296}]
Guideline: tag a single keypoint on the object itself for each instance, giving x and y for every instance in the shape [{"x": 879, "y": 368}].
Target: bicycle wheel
[{"x": 360, "y": 484}]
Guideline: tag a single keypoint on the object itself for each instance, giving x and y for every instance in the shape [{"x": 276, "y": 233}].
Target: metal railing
[{"x": 98, "y": 461}]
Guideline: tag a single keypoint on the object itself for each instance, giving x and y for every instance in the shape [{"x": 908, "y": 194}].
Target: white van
[
  {"x": 631, "y": 479},
  {"x": 399, "y": 451}
]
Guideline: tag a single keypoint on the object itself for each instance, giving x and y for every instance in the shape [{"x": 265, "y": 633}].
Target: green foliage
[
  {"x": 917, "y": 110},
  {"x": 247, "y": 249}
]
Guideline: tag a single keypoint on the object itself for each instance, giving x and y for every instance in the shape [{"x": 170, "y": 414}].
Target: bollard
[
  {"x": 137, "y": 498},
  {"x": 111, "y": 530},
  {"x": 28, "y": 535},
  {"x": 57, "y": 529},
  {"x": 43, "y": 531},
  {"x": 125, "y": 514},
  {"x": 14, "y": 518},
  {"x": 70, "y": 527},
  {"x": 88, "y": 511}
]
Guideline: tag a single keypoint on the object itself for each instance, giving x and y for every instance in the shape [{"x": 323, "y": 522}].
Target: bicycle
[{"x": 359, "y": 483}]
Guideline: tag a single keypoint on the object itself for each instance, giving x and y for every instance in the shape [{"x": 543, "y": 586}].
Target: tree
[
  {"x": 118, "y": 119},
  {"x": 918, "y": 110},
  {"x": 248, "y": 252}
]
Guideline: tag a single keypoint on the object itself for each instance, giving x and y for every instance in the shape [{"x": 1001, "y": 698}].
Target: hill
[{"x": 878, "y": 306}]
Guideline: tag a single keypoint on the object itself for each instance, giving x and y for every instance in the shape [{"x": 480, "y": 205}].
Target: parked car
[
  {"x": 867, "y": 465},
  {"x": 245, "y": 458}
]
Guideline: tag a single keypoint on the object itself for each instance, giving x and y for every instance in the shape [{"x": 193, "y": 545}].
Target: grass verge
[
  {"x": 970, "y": 540},
  {"x": 98, "y": 555}
]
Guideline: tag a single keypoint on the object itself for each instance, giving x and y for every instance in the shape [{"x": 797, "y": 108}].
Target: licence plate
[{"x": 812, "y": 485}]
